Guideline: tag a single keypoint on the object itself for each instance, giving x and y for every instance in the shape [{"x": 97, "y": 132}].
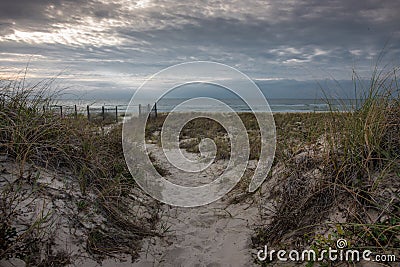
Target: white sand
[
  {"x": 211, "y": 235},
  {"x": 217, "y": 234}
]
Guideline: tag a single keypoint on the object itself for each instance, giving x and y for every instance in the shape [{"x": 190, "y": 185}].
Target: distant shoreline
[{"x": 166, "y": 105}]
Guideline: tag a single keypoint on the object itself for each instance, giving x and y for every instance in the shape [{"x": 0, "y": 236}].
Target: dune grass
[
  {"x": 341, "y": 175},
  {"x": 196, "y": 130},
  {"x": 92, "y": 157},
  {"x": 337, "y": 173}
]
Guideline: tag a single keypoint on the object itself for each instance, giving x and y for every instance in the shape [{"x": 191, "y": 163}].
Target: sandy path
[{"x": 211, "y": 235}]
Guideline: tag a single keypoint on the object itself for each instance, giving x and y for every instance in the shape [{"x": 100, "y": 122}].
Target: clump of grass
[
  {"x": 31, "y": 240},
  {"x": 33, "y": 136},
  {"x": 197, "y": 129},
  {"x": 100, "y": 119},
  {"x": 201, "y": 128},
  {"x": 365, "y": 161},
  {"x": 368, "y": 137},
  {"x": 339, "y": 162}
]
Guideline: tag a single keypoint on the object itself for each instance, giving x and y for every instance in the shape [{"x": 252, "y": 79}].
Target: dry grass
[
  {"x": 197, "y": 129},
  {"x": 33, "y": 136},
  {"x": 337, "y": 175},
  {"x": 345, "y": 163}
]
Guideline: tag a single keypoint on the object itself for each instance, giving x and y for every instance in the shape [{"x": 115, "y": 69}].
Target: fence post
[
  {"x": 155, "y": 109},
  {"x": 76, "y": 112},
  {"x": 61, "y": 113},
  {"x": 140, "y": 110},
  {"x": 102, "y": 112},
  {"x": 116, "y": 114},
  {"x": 88, "y": 112}
]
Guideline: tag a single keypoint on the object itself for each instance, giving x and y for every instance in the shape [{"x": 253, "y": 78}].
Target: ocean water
[{"x": 167, "y": 104}]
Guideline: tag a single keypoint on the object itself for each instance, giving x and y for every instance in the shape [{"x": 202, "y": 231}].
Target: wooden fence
[{"x": 101, "y": 113}]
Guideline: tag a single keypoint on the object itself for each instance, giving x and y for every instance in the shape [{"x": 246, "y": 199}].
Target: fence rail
[{"x": 103, "y": 113}]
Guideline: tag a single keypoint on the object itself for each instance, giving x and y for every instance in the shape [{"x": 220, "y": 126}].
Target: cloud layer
[{"x": 118, "y": 43}]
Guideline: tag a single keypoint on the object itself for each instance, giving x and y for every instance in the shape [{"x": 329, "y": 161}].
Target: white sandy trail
[{"x": 212, "y": 235}]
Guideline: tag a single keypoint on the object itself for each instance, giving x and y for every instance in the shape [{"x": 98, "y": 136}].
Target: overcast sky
[{"x": 99, "y": 44}]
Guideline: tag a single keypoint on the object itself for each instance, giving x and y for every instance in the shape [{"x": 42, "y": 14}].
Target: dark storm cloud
[
  {"x": 319, "y": 34},
  {"x": 43, "y": 15},
  {"x": 278, "y": 39},
  {"x": 26, "y": 14},
  {"x": 337, "y": 26},
  {"x": 17, "y": 10}
]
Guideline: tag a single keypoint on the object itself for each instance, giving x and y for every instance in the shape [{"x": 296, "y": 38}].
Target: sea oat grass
[
  {"x": 32, "y": 136},
  {"x": 340, "y": 176}
]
